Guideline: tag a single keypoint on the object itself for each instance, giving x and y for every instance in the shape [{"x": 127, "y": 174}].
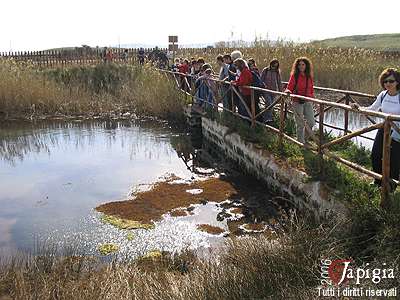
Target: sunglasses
[{"x": 389, "y": 81}]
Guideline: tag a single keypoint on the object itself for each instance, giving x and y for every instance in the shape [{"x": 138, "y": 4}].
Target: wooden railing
[{"x": 281, "y": 103}]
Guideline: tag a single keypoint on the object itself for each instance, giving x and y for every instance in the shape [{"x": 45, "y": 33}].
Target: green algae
[
  {"x": 124, "y": 223},
  {"x": 129, "y": 236},
  {"x": 152, "y": 255},
  {"x": 107, "y": 249}
]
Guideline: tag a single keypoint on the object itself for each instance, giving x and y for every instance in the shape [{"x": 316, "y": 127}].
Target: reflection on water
[
  {"x": 19, "y": 139},
  {"x": 356, "y": 121},
  {"x": 52, "y": 174}
]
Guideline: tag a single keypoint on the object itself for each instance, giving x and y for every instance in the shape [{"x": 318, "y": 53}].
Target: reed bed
[
  {"x": 342, "y": 68},
  {"x": 104, "y": 90}
]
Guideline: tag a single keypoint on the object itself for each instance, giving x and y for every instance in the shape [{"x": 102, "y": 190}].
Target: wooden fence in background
[{"x": 78, "y": 56}]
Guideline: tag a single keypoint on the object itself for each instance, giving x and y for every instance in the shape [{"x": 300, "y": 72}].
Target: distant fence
[
  {"x": 79, "y": 56},
  {"x": 282, "y": 103},
  {"x": 86, "y": 55}
]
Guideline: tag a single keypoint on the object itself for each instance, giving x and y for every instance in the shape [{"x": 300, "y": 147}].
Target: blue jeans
[{"x": 269, "y": 98}]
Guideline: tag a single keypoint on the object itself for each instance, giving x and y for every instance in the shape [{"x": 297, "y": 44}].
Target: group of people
[
  {"x": 241, "y": 73},
  {"x": 109, "y": 55}
]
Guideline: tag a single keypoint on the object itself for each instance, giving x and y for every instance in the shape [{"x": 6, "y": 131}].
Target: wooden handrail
[
  {"x": 309, "y": 99},
  {"x": 321, "y": 149}
]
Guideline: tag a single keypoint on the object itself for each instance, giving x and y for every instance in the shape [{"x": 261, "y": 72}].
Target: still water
[
  {"x": 357, "y": 121},
  {"x": 53, "y": 175}
]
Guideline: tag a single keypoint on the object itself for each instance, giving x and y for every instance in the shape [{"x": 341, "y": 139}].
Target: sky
[{"x": 44, "y": 24}]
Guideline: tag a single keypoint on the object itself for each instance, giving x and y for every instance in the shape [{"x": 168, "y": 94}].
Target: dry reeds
[
  {"x": 102, "y": 90},
  {"x": 350, "y": 68}
]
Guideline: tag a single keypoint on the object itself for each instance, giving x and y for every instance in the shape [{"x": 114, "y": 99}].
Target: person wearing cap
[
  {"x": 388, "y": 101},
  {"x": 245, "y": 79}
]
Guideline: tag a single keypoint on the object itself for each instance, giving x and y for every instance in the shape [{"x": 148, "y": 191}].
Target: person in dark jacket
[
  {"x": 231, "y": 77},
  {"x": 271, "y": 77},
  {"x": 251, "y": 62}
]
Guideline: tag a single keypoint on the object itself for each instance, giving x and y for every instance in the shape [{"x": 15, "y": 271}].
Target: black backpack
[{"x": 257, "y": 82}]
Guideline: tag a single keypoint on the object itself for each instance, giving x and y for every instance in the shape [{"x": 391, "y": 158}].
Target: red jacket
[
  {"x": 301, "y": 86},
  {"x": 183, "y": 68},
  {"x": 245, "y": 78}
]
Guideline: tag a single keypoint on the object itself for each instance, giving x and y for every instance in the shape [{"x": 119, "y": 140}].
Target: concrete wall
[{"x": 274, "y": 171}]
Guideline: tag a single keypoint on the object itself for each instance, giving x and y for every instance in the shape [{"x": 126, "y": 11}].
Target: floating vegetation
[
  {"x": 164, "y": 197},
  {"x": 124, "y": 223},
  {"x": 154, "y": 254},
  {"x": 181, "y": 212},
  {"x": 129, "y": 236},
  {"x": 107, "y": 249},
  {"x": 210, "y": 229}
]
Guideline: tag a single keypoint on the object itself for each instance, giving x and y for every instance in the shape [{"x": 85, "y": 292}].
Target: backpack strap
[{"x": 384, "y": 95}]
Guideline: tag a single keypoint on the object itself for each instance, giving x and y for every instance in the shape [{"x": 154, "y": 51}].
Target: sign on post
[
  {"x": 173, "y": 45},
  {"x": 173, "y": 39}
]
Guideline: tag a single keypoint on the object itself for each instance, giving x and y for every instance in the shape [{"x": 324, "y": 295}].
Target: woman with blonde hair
[{"x": 301, "y": 82}]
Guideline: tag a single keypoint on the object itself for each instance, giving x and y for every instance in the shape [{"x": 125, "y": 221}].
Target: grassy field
[
  {"x": 384, "y": 42},
  {"x": 353, "y": 69}
]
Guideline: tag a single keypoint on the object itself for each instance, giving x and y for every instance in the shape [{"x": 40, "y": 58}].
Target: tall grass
[
  {"x": 102, "y": 90},
  {"x": 249, "y": 268},
  {"x": 351, "y": 68},
  {"x": 253, "y": 267}
]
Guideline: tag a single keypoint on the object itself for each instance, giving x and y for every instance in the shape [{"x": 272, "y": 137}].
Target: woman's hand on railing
[{"x": 355, "y": 106}]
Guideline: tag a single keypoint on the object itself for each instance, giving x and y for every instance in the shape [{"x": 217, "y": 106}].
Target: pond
[{"x": 54, "y": 174}]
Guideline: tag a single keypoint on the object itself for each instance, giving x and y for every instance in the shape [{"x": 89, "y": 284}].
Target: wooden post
[
  {"x": 253, "y": 109},
  {"x": 232, "y": 100},
  {"x": 385, "y": 190},
  {"x": 321, "y": 141},
  {"x": 281, "y": 121},
  {"x": 346, "y": 115}
]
